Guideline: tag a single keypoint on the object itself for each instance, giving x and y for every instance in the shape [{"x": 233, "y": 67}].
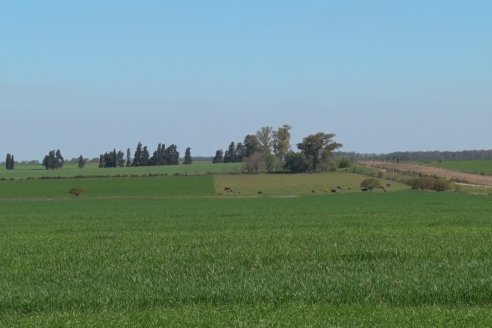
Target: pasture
[
  {"x": 154, "y": 258},
  {"x": 295, "y": 184}
]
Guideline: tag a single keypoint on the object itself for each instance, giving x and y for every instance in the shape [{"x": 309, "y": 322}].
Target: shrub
[
  {"x": 370, "y": 184},
  {"x": 76, "y": 191},
  {"x": 343, "y": 163},
  {"x": 430, "y": 183}
]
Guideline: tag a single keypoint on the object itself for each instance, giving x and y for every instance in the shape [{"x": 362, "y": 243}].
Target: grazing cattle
[
  {"x": 333, "y": 190},
  {"x": 260, "y": 193},
  {"x": 388, "y": 185},
  {"x": 364, "y": 189},
  {"x": 228, "y": 189},
  {"x": 339, "y": 188},
  {"x": 313, "y": 191}
]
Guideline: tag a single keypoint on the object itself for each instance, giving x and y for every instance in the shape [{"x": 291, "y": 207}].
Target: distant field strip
[
  {"x": 294, "y": 184},
  {"x": 427, "y": 170},
  {"x": 166, "y": 186},
  {"x": 71, "y": 170}
]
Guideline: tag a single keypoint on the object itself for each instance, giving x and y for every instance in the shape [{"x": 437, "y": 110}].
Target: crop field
[
  {"x": 123, "y": 187},
  {"x": 91, "y": 169},
  {"x": 295, "y": 184},
  {"x": 112, "y": 257},
  {"x": 477, "y": 167}
]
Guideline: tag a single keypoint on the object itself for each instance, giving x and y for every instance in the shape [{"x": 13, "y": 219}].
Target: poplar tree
[
  {"x": 187, "y": 157},
  {"x": 81, "y": 162}
]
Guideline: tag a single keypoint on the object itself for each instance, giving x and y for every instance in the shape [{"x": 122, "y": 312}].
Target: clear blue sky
[{"x": 87, "y": 76}]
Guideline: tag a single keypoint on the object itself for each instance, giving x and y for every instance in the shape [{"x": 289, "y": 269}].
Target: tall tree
[
  {"x": 172, "y": 155},
  {"x": 251, "y": 145},
  {"x": 137, "y": 158},
  {"x": 145, "y": 157},
  {"x": 187, "y": 159},
  {"x": 281, "y": 142},
  {"x": 59, "y": 159},
  {"x": 265, "y": 141},
  {"x": 218, "y": 158},
  {"x": 128, "y": 158},
  {"x": 82, "y": 161},
  {"x": 7, "y": 162},
  {"x": 120, "y": 159},
  {"x": 230, "y": 155},
  {"x": 12, "y": 162},
  {"x": 317, "y": 149},
  {"x": 240, "y": 152}
]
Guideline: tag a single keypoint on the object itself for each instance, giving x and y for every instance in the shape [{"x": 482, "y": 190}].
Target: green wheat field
[{"x": 171, "y": 251}]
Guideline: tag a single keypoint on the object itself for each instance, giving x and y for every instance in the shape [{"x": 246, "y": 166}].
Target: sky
[{"x": 89, "y": 76}]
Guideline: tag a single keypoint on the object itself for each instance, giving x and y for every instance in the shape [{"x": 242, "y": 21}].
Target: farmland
[
  {"x": 476, "y": 167},
  {"x": 91, "y": 170},
  {"x": 295, "y": 184},
  {"x": 167, "y": 251}
]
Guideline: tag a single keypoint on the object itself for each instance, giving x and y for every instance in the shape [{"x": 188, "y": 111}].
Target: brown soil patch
[{"x": 427, "y": 170}]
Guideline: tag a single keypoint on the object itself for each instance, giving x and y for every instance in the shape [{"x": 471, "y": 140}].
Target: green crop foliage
[
  {"x": 161, "y": 186},
  {"x": 91, "y": 169},
  {"x": 353, "y": 259}
]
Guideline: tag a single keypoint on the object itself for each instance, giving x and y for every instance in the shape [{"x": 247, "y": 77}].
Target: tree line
[
  {"x": 269, "y": 150},
  {"x": 161, "y": 156}
]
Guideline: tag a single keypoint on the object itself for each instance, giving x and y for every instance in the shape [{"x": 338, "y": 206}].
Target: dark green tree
[
  {"x": 53, "y": 160},
  {"x": 82, "y": 161},
  {"x": 120, "y": 159},
  {"x": 8, "y": 162},
  {"x": 137, "y": 158},
  {"x": 240, "y": 152},
  {"x": 145, "y": 157},
  {"x": 317, "y": 149},
  {"x": 218, "y": 158},
  {"x": 59, "y": 159},
  {"x": 251, "y": 145},
  {"x": 187, "y": 159},
  {"x": 295, "y": 162},
  {"x": 101, "y": 161},
  {"x": 230, "y": 155},
  {"x": 172, "y": 155}
]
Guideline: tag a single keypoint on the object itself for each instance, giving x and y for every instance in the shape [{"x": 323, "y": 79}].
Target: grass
[
  {"x": 352, "y": 259},
  {"x": 476, "y": 166},
  {"x": 295, "y": 184},
  {"x": 91, "y": 169},
  {"x": 166, "y": 186}
]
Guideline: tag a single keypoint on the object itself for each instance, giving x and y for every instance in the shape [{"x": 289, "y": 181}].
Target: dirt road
[{"x": 427, "y": 170}]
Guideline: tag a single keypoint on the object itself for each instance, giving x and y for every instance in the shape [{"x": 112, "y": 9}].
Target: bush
[
  {"x": 370, "y": 184},
  {"x": 76, "y": 191},
  {"x": 343, "y": 163},
  {"x": 430, "y": 183}
]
